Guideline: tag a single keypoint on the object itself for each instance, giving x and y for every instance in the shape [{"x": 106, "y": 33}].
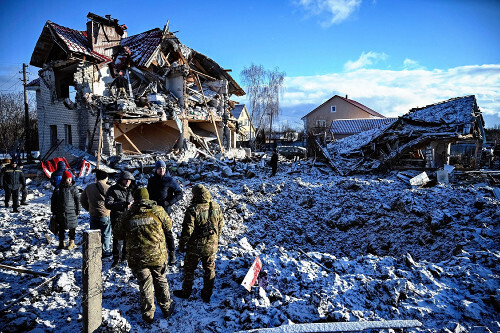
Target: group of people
[
  {"x": 12, "y": 181},
  {"x": 139, "y": 220}
]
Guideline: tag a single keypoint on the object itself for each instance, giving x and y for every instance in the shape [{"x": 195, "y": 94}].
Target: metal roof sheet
[
  {"x": 142, "y": 46},
  {"x": 76, "y": 41},
  {"x": 354, "y": 126}
]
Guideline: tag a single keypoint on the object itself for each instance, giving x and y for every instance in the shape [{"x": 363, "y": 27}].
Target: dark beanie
[
  {"x": 160, "y": 164},
  {"x": 100, "y": 174},
  {"x": 141, "y": 194}
]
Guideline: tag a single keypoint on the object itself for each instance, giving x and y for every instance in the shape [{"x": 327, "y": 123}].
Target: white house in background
[{"x": 242, "y": 116}]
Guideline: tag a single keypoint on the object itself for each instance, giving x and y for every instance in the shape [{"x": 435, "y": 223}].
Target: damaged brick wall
[{"x": 52, "y": 111}]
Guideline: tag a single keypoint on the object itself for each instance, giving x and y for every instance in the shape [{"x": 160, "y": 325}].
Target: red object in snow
[
  {"x": 252, "y": 274},
  {"x": 85, "y": 169},
  {"x": 51, "y": 165}
]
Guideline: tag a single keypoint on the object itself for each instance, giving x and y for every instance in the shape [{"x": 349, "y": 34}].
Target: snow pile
[{"x": 333, "y": 248}]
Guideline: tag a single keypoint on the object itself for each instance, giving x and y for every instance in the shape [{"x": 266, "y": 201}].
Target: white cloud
[
  {"x": 411, "y": 64},
  {"x": 366, "y": 59},
  {"x": 393, "y": 93},
  {"x": 337, "y": 10}
]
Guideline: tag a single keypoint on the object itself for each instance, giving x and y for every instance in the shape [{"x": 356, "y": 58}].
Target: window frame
[{"x": 53, "y": 135}]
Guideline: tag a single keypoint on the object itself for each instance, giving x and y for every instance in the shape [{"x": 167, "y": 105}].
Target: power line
[{"x": 9, "y": 80}]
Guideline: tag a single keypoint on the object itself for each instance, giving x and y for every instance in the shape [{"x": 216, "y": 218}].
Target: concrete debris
[
  {"x": 135, "y": 94},
  {"x": 419, "y": 140}
]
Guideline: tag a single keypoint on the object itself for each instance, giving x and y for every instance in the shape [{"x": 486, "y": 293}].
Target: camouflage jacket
[
  {"x": 201, "y": 211},
  {"x": 143, "y": 228}
]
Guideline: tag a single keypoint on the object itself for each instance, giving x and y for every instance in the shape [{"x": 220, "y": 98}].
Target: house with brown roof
[
  {"x": 174, "y": 94},
  {"x": 319, "y": 121}
]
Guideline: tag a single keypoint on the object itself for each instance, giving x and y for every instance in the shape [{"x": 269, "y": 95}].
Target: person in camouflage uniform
[
  {"x": 200, "y": 234},
  {"x": 143, "y": 228}
]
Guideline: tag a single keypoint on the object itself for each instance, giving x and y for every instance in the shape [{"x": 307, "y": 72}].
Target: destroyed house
[
  {"x": 420, "y": 139},
  {"x": 173, "y": 93}
]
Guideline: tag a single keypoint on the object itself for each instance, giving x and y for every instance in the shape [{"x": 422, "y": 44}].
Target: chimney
[{"x": 346, "y": 97}]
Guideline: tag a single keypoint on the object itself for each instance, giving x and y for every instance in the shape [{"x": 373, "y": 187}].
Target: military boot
[
  {"x": 167, "y": 310},
  {"x": 182, "y": 294},
  {"x": 148, "y": 317},
  {"x": 71, "y": 244},
  {"x": 61, "y": 245}
]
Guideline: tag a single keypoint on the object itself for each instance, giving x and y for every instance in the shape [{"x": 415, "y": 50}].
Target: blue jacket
[{"x": 56, "y": 177}]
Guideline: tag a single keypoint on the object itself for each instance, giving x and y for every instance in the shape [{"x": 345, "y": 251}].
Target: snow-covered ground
[{"x": 356, "y": 248}]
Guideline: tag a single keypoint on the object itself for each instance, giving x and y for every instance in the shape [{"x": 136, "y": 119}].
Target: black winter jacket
[
  {"x": 65, "y": 205},
  {"x": 12, "y": 178},
  {"x": 118, "y": 198},
  {"x": 164, "y": 190}
]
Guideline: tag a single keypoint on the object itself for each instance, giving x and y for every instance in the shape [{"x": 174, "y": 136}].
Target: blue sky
[{"x": 389, "y": 55}]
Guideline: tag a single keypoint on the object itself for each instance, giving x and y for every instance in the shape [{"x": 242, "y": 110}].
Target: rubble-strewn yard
[{"x": 377, "y": 250}]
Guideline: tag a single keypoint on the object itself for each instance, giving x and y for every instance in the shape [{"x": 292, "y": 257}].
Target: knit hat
[
  {"x": 101, "y": 174},
  {"x": 66, "y": 175},
  {"x": 141, "y": 194},
  {"x": 14, "y": 161},
  {"x": 160, "y": 164}
]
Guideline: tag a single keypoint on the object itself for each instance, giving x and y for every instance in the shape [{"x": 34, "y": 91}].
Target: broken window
[
  {"x": 53, "y": 135},
  {"x": 68, "y": 137}
]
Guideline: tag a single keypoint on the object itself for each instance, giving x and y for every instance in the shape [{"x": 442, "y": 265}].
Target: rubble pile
[
  {"x": 418, "y": 139},
  {"x": 333, "y": 248}
]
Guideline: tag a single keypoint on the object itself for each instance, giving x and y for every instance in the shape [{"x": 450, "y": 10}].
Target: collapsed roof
[
  {"x": 167, "y": 81},
  {"x": 395, "y": 143}
]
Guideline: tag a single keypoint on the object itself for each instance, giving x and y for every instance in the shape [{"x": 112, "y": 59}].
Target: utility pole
[{"x": 27, "y": 130}]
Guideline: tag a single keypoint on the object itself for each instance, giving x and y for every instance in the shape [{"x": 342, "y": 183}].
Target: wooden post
[
  {"x": 198, "y": 83},
  {"x": 99, "y": 145},
  {"x": 27, "y": 129},
  {"x": 128, "y": 139},
  {"x": 92, "y": 280}
]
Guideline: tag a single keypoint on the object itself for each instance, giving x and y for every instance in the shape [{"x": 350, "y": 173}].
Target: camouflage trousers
[
  {"x": 191, "y": 261},
  {"x": 153, "y": 282}
]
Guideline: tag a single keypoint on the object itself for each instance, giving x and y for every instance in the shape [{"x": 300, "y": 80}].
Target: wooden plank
[
  {"x": 128, "y": 140},
  {"x": 353, "y": 326},
  {"x": 23, "y": 270},
  {"x": 197, "y": 80},
  {"x": 99, "y": 145},
  {"x": 137, "y": 120},
  {"x": 29, "y": 292},
  {"x": 204, "y": 75}
]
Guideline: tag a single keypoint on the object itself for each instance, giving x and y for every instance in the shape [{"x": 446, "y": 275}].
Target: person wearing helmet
[
  {"x": 201, "y": 230},
  {"x": 118, "y": 199}
]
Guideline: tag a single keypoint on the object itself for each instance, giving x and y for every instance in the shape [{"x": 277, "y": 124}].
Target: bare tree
[
  {"x": 273, "y": 90},
  {"x": 253, "y": 79},
  {"x": 12, "y": 123},
  {"x": 264, "y": 88}
]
